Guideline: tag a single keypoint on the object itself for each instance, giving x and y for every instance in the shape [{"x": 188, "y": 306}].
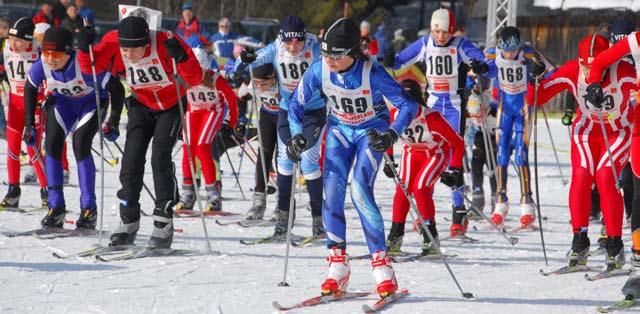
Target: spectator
[
  {"x": 223, "y": 40},
  {"x": 60, "y": 9},
  {"x": 85, "y": 13},
  {"x": 381, "y": 36},
  {"x": 45, "y": 15},
  {"x": 189, "y": 23},
  {"x": 369, "y": 44},
  {"x": 73, "y": 22}
]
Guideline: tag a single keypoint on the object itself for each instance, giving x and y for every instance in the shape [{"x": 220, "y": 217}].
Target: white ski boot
[
  {"x": 214, "y": 199},
  {"x": 339, "y": 271},
  {"x": 527, "y": 214},
  {"x": 499, "y": 213},
  {"x": 386, "y": 283},
  {"x": 256, "y": 212}
]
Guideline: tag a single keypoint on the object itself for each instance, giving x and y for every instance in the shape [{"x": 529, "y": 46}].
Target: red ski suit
[
  {"x": 589, "y": 158},
  {"x": 429, "y": 143}
]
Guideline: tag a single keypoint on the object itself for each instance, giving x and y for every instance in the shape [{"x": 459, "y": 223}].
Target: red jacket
[
  {"x": 443, "y": 136},
  {"x": 185, "y": 30},
  {"x": 569, "y": 77},
  {"x": 608, "y": 57},
  {"x": 225, "y": 96},
  {"x": 40, "y": 17},
  {"x": 107, "y": 54}
]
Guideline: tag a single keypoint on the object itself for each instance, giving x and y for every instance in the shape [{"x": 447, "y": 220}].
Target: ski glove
[
  {"x": 175, "y": 50},
  {"x": 388, "y": 170},
  {"x": 567, "y": 119},
  {"x": 29, "y": 136},
  {"x": 536, "y": 69},
  {"x": 85, "y": 37},
  {"x": 452, "y": 177},
  {"x": 381, "y": 141},
  {"x": 110, "y": 131},
  {"x": 295, "y": 147},
  {"x": 248, "y": 57},
  {"x": 594, "y": 95},
  {"x": 240, "y": 130},
  {"x": 479, "y": 67}
]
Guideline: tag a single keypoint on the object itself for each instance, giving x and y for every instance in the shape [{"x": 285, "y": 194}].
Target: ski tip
[
  {"x": 543, "y": 273},
  {"x": 277, "y": 306},
  {"x": 466, "y": 295},
  {"x": 367, "y": 309}
]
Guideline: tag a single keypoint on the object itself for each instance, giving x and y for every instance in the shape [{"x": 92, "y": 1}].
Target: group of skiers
[{"x": 316, "y": 97}]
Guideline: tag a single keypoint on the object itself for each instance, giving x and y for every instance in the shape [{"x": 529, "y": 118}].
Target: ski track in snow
[{"x": 243, "y": 279}]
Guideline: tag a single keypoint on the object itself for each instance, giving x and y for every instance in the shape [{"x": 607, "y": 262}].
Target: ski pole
[
  {"x": 185, "y": 135},
  {"x": 261, "y": 148},
  {"x": 436, "y": 245},
  {"x": 111, "y": 162},
  {"x": 608, "y": 145},
  {"x": 535, "y": 166},
  {"x": 113, "y": 157},
  {"x": 553, "y": 145},
  {"x": 503, "y": 232},
  {"x": 233, "y": 169},
  {"x": 99, "y": 111},
  {"x": 144, "y": 185},
  {"x": 289, "y": 224}
]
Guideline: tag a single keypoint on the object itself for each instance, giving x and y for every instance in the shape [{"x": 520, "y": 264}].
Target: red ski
[
  {"x": 185, "y": 213},
  {"x": 380, "y": 304},
  {"x": 321, "y": 300}
]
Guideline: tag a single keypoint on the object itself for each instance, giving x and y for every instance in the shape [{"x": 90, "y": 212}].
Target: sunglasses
[{"x": 53, "y": 54}]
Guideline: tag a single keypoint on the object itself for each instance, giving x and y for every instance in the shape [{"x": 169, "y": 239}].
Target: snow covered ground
[{"x": 244, "y": 279}]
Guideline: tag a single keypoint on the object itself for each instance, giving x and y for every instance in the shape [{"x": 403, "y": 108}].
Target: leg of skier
[
  {"x": 314, "y": 128},
  {"x": 505, "y": 126},
  {"x": 82, "y": 139},
  {"x": 268, "y": 127},
  {"x": 522, "y": 129}
]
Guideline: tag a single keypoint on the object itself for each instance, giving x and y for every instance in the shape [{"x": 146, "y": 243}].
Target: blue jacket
[
  {"x": 223, "y": 44},
  {"x": 309, "y": 91}
]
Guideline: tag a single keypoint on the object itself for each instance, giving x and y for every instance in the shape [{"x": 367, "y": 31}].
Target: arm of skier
[
  {"x": 189, "y": 70},
  {"x": 456, "y": 143},
  {"x": 559, "y": 81},
  {"x": 309, "y": 88},
  {"x": 407, "y": 107},
  {"x": 116, "y": 93},
  {"x": 264, "y": 55},
  {"x": 607, "y": 58},
  {"x": 470, "y": 52},
  {"x": 34, "y": 80},
  {"x": 410, "y": 55}
]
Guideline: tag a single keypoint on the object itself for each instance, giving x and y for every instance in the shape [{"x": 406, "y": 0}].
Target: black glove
[
  {"x": 175, "y": 50},
  {"x": 29, "y": 136},
  {"x": 479, "y": 67},
  {"x": 567, "y": 119},
  {"x": 295, "y": 147},
  {"x": 389, "y": 59},
  {"x": 248, "y": 57},
  {"x": 240, "y": 130},
  {"x": 594, "y": 95},
  {"x": 536, "y": 69},
  {"x": 110, "y": 131},
  {"x": 85, "y": 37},
  {"x": 452, "y": 177},
  {"x": 388, "y": 170},
  {"x": 381, "y": 141}
]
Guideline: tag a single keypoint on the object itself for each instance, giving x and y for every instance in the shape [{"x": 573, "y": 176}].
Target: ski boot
[
  {"x": 386, "y": 283},
  {"x": 282, "y": 224},
  {"x": 88, "y": 218},
  {"x": 459, "y": 222},
  {"x": 615, "y": 253},
  {"x": 275, "y": 216},
  {"x": 256, "y": 212},
  {"x": 428, "y": 247},
  {"x": 339, "y": 271},
  {"x": 579, "y": 249},
  {"x": 30, "y": 176},
  {"x": 214, "y": 200},
  {"x": 499, "y": 213},
  {"x": 126, "y": 232},
  {"x": 394, "y": 239},
  {"x": 12, "y": 199},
  {"x": 54, "y": 218},
  {"x": 188, "y": 198},
  {"x": 162, "y": 235},
  {"x": 602, "y": 239},
  {"x": 528, "y": 215},
  {"x": 477, "y": 200},
  {"x": 44, "y": 197},
  {"x": 317, "y": 227}
]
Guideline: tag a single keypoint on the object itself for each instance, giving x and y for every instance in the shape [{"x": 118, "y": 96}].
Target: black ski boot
[
  {"x": 317, "y": 227},
  {"x": 54, "y": 218},
  {"x": 394, "y": 239},
  {"x": 428, "y": 247},
  {"x": 126, "y": 232},
  {"x": 88, "y": 218},
  {"x": 12, "y": 199},
  {"x": 162, "y": 235},
  {"x": 615, "y": 253},
  {"x": 214, "y": 198},
  {"x": 188, "y": 198},
  {"x": 579, "y": 249},
  {"x": 282, "y": 224}
]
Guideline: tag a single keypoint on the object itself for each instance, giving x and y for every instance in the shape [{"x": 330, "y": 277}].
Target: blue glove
[
  {"x": 110, "y": 132},
  {"x": 29, "y": 136}
]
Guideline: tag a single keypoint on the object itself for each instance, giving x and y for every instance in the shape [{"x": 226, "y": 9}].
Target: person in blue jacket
[
  {"x": 291, "y": 55},
  {"x": 358, "y": 132},
  {"x": 448, "y": 59},
  {"x": 514, "y": 116}
]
